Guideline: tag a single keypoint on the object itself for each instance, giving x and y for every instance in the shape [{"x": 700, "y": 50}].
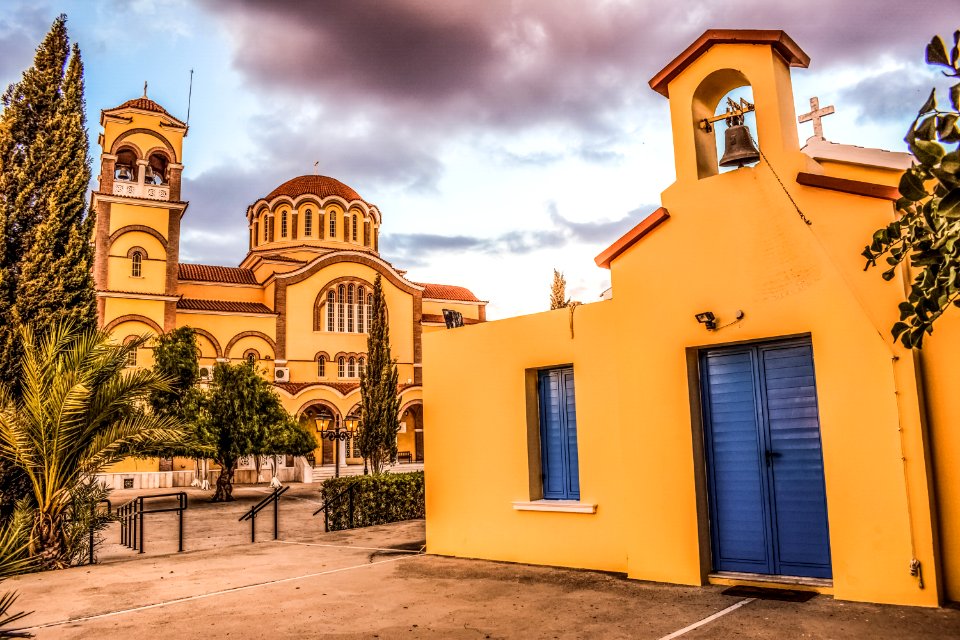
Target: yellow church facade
[
  {"x": 737, "y": 411},
  {"x": 298, "y": 305}
]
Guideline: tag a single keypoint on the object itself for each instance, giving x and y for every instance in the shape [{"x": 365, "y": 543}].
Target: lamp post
[{"x": 336, "y": 435}]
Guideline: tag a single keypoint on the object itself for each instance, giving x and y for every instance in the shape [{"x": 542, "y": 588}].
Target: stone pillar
[
  {"x": 174, "y": 172},
  {"x": 108, "y": 166}
]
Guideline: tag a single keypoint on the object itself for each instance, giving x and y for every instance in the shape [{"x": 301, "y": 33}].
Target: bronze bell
[{"x": 738, "y": 148}]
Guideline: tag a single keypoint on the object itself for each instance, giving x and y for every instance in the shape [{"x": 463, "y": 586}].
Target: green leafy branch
[{"x": 927, "y": 233}]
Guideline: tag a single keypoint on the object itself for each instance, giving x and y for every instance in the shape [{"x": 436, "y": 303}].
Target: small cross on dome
[{"x": 815, "y": 115}]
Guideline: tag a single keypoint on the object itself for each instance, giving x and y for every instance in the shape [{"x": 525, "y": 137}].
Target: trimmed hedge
[{"x": 389, "y": 497}]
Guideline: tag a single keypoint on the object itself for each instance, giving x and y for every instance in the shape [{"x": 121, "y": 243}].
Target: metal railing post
[
  {"x": 140, "y": 500},
  {"x": 350, "y": 498},
  {"x": 276, "y": 514},
  {"x": 182, "y": 503}
]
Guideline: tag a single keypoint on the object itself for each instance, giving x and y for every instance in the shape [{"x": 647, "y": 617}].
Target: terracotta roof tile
[
  {"x": 447, "y": 292},
  {"x": 281, "y": 258},
  {"x": 145, "y": 104},
  {"x": 437, "y": 317},
  {"x": 210, "y": 273},
  {"x": 320, "y": 186},
  {"x": 227, "y": 306}
]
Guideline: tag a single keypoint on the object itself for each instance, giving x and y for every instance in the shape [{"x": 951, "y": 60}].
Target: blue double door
[{"x": 768, "y": 509}]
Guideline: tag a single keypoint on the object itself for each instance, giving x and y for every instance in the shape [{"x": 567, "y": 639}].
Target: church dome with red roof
[{"x": 320, "y": 186}]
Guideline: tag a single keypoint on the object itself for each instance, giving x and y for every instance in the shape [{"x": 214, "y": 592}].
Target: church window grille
[
  {"x": 376, "y": 240},
  {"x": 251, "y": 358},
  {"x": 131, "y": 358},
  {"x": 341, "y": 367},
  {"x": 333, "y": 225},
  {"x": 354, "y": 228},
  {"x": 283, "y": 225},
  {"x": 350, "y": 309},
  {"x": 308, "y": 222},
  {"x": 136, "y": 264},
  {"x": 321, "y": 367},
  {"x": 366, "y": 233},
  {"x": 361, "y": 296},
  {"x": 346, "y": 227},
  {"x": 369, "y": 311},
  {"x": 352, "y": 368},
  {"x": 331, "y": 303},
  {"x": 361, "y": 366},
  {"x": 341, "y": 300}
]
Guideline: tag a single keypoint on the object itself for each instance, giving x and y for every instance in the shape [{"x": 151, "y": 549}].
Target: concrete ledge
[{"x": 560, "y": 506}]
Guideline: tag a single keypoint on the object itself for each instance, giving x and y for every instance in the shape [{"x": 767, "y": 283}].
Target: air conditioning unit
[
  {"x": 206, "y": 373},
  {"x": 281, "y": 374}
]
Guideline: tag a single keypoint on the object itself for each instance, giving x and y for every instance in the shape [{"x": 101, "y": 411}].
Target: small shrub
[{"x": 377, "y": 499}]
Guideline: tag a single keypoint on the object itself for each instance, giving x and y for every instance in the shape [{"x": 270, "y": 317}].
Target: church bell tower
[{"x": 138, "y": 207}]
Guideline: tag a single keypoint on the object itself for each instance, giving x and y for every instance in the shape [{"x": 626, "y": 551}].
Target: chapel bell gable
[{"x": 718, "y": 62}]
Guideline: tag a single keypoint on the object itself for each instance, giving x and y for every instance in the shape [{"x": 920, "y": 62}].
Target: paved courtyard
[{"x": 374, "y": 583}]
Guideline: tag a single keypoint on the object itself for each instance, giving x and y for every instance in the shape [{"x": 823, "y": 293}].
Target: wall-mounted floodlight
[{"x": 708, "y": 320}]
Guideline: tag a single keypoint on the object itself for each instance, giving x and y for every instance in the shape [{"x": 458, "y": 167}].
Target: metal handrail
[
  {"x": 349, "y": 490},
  {"x": 131, "y": 518},
  {"x": 93, "y": 522},
  {"x": 257, "y": 508}
]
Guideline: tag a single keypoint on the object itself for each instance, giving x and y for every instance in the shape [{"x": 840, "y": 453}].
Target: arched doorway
[
  {"x": 318, "y": 417},
  {"x": 410, "y": 435}
]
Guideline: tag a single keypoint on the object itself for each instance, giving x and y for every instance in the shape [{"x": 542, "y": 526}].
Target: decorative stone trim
[
  {"x": 557, "y": 506},
  {"x": 131, "y": 228},
  {"x": 209, "y": 336},
  {"x": 133, "y": 317},
  {"x": 248, "y": 334}
]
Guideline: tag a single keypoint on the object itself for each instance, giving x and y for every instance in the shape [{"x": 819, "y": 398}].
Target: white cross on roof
[{"x": 816, "y": 114}]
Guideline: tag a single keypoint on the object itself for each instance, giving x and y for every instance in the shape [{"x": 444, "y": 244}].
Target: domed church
[{"x": 297, "y": 306}]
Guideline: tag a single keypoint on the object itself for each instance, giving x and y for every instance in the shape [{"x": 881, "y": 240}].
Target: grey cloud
[
  {"x": 413, "y": 249},
  {"x": 893, "y": 96},
  {"x": 21, "y": 29}
]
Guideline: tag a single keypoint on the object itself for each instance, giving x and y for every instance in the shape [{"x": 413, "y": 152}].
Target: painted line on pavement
[
  {"x": 708, "y": 619},
  {"x": 211, "y": 594},
  {"x": 347, "y": 546}
]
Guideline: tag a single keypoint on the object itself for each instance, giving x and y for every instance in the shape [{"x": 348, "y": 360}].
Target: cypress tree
[
  {"x": 45, "y": 252},
  {"x": 56, "y": 281},
  {"x": 379, "y": 402}
]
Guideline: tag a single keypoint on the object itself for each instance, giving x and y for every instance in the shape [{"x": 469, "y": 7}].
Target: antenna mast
[{"x": 189, "y": 98}]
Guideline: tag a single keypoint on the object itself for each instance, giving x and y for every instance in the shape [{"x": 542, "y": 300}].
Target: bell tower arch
[
  {"x": 138, "y": 207},
  {"x": 718, "y": 62}
]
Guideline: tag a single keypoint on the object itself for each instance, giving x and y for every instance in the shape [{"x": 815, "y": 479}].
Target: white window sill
[{"x": 560, "y": 506}]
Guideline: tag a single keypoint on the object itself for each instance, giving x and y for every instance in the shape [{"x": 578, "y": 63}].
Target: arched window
[
  {"x": 354, "y": 228},
  {"x": 341, "y": 303},
  {"x": 283, "y": 225},
  {"x": 132, "y": 354},
  {"x": 308, "y": 222},
  {"x": 352, "y": 368},
  {"x": 251, "y": 358},
  {"x": 333, "y": 225},
  {"x": 361, "y": 296},
  {"x": 266, "y": 229},
  {"x": 376, "y": 240},
  {"x": 321, "y": 367},
  {"x": 331, "y": 303},
  {"x": 369, "y": 311},
  {"x": 136, "y": 264},
  {"x": 361, "y": 366},
  {"x": 366, "y": 233},
  {"x": 341, "y": 367},
  {"x": 346, "y": 227},
  {"x": 350, "y": 309}
]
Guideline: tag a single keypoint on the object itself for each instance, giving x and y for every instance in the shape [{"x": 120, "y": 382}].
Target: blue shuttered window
[{"x": 558, "y": 435}]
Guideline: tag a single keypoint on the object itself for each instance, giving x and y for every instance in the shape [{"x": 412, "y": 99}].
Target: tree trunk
[
  {"x": 48, "y": 541},
  {"x": 224, "y": 492}
]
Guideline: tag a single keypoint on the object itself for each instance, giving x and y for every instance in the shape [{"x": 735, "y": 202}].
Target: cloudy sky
[{"x": 500, "y": 139}]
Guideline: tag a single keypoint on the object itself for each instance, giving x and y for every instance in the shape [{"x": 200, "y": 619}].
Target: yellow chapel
[{"x": 297, "y": 306}]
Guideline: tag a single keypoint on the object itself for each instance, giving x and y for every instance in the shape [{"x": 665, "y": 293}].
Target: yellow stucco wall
[{"x": 733, "y": 241}]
